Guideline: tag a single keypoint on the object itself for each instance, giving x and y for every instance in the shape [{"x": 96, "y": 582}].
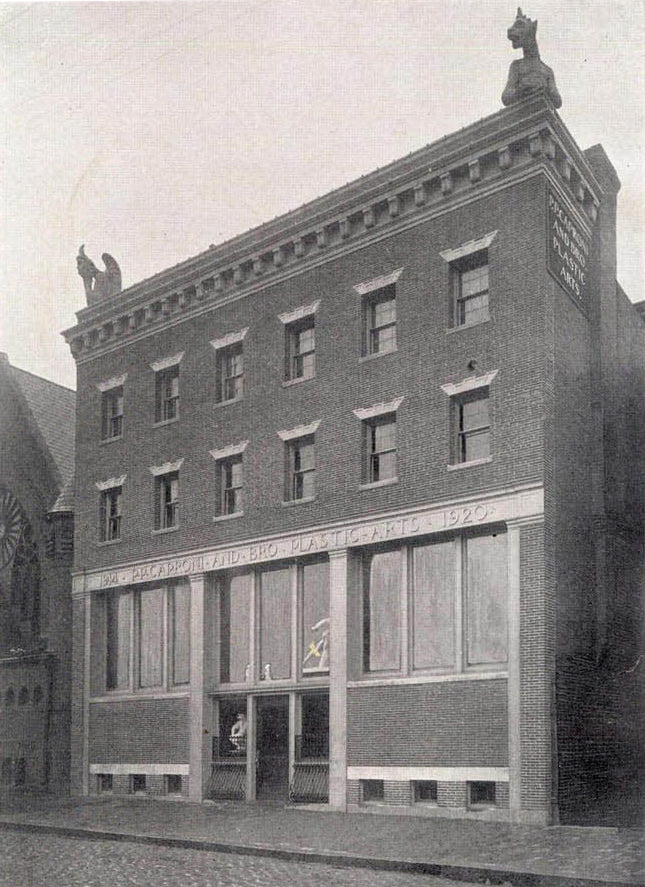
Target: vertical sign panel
[{"x": 568, "y": 251}]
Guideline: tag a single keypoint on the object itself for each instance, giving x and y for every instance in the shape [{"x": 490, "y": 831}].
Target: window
[
  {"x": 481, "y": 794},
  {"x": 179, "y": 599},
  {"x": 301, "y": 474},
  {"x": 147, "y": 643},
  {"x": 230, "y": 373},
  {"x": 314, "y": 584},
  {"x": 379, "y": 321},
  {"x": 275, "y": 623},
  {"x": 118, "y": 640},
  {"x": 104, "y": 783},
  {"x": 23, "y": 696},
  {"x": 137, "y": 783},
  {"x": 110, "y": 514},
  {"x": 438, "y": 606},
  {"x": 112, "y": 413},
  {"x": 301, "y": 349},
  {"x": 382, "y": 573},
  {"x": 372, "y": 790},
  {"x": 313, "y": 741},
  {"x": 425, "y": 791},
  {"x": 235, "y": 608},
  {"x": 472, "y": 421},
  {"x": 149, "y": 640},
  {"x": 167, "y": 394},
  {"x": 470, "y": 281},
  {"x": 380, "y": 449},
  {"x": 167, "y": 504},
  {"x": 173, "y": 784},
  {"x": 231, "y": 485}
]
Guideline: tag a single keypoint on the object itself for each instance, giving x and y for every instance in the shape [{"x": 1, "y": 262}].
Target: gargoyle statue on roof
[
  {"x": 98, "y": 284},
  {"x": 528, "y": 73}
]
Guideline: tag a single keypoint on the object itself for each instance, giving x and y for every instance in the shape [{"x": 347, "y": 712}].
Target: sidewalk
[{"x": 520, "y": 855}]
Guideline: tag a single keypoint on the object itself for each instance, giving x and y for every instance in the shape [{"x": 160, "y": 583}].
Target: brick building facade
[{"x": 359, "y": 497}]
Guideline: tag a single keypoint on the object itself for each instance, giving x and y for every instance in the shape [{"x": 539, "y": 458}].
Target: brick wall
[
  {"x": 427, "y": 356},
  {"x": 442, "y": 725},
  {"x": 141, "y": 731}
]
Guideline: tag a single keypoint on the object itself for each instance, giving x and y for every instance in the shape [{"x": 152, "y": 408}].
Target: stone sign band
[{"x": 512, "y": 506}]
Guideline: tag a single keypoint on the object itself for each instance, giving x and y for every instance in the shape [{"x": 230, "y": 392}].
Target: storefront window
[
  {"x": 180, "y": 614},
  {"x": 486, "y": 581},
  {"x": 118, "y": 640},
  {"x": 275, "y": 623},
  {"x": 315, "y": 617},
  {"x": 433, "y": 605},
  {"x": 382, "y": 594},
  {"x": 150, "y": 631},
  {"x": 235, "y": 623}
]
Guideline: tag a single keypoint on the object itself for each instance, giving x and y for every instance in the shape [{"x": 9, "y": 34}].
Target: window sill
[
  {"x": 368, "y": 357},
  {"x": 379, "y": 483},
  {"x": 107, "y": 542},
  {"x": 459, "y": 465},
  {"x": 109, "y": 440},
  {"x": 165, "y": 422},
  {"x": 289, "y": 502},
  {"x": 224, "y": 517},
  {"x": 467, "y": 326},
  {"x": 164, "y": 530},
  {"x": 289, "y": 382},
  {"x": 225, "y": 403}
]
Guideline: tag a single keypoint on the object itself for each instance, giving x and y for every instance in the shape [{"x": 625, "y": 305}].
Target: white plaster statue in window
[
  {"x": 317, "y": 656},
  {"x": 238, "y": 733}
]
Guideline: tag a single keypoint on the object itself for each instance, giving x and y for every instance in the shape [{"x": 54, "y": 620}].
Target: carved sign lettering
[{"x": 568, "y": 249}]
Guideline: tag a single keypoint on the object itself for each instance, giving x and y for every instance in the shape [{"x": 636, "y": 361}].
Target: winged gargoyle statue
[
  {"x": 528, "y": 73},
  {"x": 98, "y": 284}
]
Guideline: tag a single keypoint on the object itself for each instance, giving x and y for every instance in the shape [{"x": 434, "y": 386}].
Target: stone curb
[{"x": 476, "y": 874}]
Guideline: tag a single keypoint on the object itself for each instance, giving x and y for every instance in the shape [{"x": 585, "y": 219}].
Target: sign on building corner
[{"x": 568, "y": 252}]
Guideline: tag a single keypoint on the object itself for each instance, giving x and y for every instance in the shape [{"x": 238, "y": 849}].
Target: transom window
[
  {"x": 379, "y": 321},
  {"x": 470, "y": 281},
  {"x": 302, "y": 468},
  {"x": 112, "y": 413},
  {"x": 167, "y": 500},
  {"x": 110, "y": 514},
  {"x": 167, "y": 394},
  {"x": 472, "y": 426},
  {"x": 380, "y": 449},
  {"x": 231, "y": 480},
  {"x": 301, "y": 349},
  {"x": 438, "y": 607},
  {"x": 230, "y": 372}
]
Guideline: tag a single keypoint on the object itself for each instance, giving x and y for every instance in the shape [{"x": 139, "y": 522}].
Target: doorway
[{"x": 272, "y": 748}]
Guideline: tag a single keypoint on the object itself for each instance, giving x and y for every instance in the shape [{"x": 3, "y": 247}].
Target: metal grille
[
  {"x": 227, "y": 781},
  {"x": 310, "y": 782}
]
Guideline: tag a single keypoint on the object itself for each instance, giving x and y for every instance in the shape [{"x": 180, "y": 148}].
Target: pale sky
[{"x": 150, "y": 130}]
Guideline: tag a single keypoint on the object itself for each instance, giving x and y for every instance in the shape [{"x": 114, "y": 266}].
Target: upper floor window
[
  {"x": 167, "y": 394},
  {"x": 110, "y": 514},
  {"x": 231, "y": 478},
  {"x": 301, "y": 458},
  {"x": 378, "y": 308},
  {"x": 166, "y": 495},
  {"x": 112, "y": 413},
  {"x": 473, "y": 426},
  {"x": 301, "y": 350},
  {"x": 167, "y": 501},
  {"x": 229, "y": 351},
  {"x": 230, "y": 373},
  {"x": 380, "y": 449},
  {"x": 470, "y": 281},
  {"x": 469, "y": 271},
  {"x": 379, "y": 321}
]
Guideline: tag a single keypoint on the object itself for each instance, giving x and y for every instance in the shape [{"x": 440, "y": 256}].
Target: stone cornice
[{"x": 488, "y": 152}]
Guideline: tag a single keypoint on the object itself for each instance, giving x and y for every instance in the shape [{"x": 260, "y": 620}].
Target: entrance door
[{"x": 272, "y": 748}]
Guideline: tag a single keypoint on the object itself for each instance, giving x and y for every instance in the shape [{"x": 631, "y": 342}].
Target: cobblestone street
[{"x": 29, "y": 860}]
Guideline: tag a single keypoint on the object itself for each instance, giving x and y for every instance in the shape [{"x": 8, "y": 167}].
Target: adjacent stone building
[
  {"x": 359, "y": 498},
  {"x": 36, "y": 538}
]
